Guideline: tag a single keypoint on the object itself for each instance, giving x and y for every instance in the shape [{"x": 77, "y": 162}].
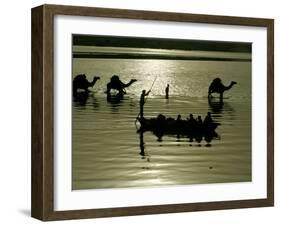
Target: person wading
[{"x": 167, "y": 91}]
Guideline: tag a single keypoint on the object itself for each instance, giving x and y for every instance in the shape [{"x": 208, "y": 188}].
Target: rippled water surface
[{"x": 109, "y": 153}]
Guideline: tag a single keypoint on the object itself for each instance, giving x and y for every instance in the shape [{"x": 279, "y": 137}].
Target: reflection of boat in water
[{"x": 181, "y": 128}]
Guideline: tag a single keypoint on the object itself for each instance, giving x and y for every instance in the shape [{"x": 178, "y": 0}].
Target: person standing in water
[
  {"x": 142, "y": 101},
  {"x": 167, "y": 91}
]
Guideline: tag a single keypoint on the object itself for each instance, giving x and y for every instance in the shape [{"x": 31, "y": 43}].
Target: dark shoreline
[
  {"x": 152, "y": 57},
  {"x": 160, "y": 43}
]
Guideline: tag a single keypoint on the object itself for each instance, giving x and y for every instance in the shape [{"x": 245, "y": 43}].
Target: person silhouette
[
  {"x": 192, "y": 122},
  {"x": 208, "y": 119},
  {"x": 199, "y": 120},
  {"x": 142, "y": 101},
  {"x": 167, "y": 91}
]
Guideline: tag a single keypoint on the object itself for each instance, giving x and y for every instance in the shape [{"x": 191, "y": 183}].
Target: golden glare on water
[
  {"x": 157, "y": 75},
  {"x": 109, "y": 153}
]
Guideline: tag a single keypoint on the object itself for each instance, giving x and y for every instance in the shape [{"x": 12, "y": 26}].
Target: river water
[{"x": 107, "y": 152}]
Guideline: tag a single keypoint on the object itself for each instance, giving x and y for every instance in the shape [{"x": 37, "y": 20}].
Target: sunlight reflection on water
[{"x": 106, "y": 147}]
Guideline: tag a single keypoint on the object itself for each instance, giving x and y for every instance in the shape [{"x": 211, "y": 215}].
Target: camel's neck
[
  {"x": 129, "y": 83},
  {"x": 229, "y": 87},
  {"x": 91, "y": 84}
]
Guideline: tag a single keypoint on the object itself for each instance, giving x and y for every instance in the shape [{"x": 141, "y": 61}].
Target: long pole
[{"x": 153, "y": 83}]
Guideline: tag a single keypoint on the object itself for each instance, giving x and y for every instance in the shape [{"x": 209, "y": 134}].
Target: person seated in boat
[
  {"x": 179, "y": 124},
  {"x": 199, "y": 120},
  {"x": 160, "y": 120},
  {"x": 170, "y": 121},
  {"x": 178, "y": 121},
  {"x": 142, "y": 101},
  {"x": 208, "y": 119},
  {"x": 191, "y": 118},
  {"x": 192, "y": 122},
  {"x": 161, "y": 117}
]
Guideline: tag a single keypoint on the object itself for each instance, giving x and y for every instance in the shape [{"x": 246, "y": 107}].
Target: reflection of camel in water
[
  {"x": 217, "y": 87},
  {"x": 81, "y": 82},
  {"x": 219, "y": 107},
  {"x": 115, "y": 99},
  {"x": 116, "y": 83},
  {"x": 81, "y": 98}
]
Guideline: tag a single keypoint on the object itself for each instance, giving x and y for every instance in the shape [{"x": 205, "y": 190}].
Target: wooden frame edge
[
  {"x": 42, "y": 203},
  {"x": 155, "y": 15},
  {"x": 42, "y": 114},
  {"x": 270, "y": 111},
  {"x": 37, "y": 185},
  {"x": 157, "y": 209}
]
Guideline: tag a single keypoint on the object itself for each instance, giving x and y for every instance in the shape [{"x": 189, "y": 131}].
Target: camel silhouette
[
  {"x": 117, "y": 84},
  {"x": 217, "y": 87},
  {"x": 81, "y": 82}
]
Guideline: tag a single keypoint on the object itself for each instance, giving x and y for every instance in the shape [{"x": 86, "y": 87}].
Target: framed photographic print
[{"x": 141, "y": 112}]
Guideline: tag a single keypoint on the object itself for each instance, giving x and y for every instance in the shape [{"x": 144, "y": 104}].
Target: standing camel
[{"x": 217, "y": 87}]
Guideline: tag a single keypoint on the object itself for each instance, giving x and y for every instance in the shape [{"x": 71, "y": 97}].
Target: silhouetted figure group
[
  {"x": 190, "y": 127},
  {"x": 80, "y": 82},
  {"x": 191, "y": 121}
]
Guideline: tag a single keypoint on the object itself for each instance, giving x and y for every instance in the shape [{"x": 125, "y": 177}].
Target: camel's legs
[
  {"x": 108, "y": 88},
  {"x": 221, "y": 97}
]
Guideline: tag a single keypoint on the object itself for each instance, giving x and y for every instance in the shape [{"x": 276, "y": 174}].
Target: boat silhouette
[{"x": 161, "y": 126}]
